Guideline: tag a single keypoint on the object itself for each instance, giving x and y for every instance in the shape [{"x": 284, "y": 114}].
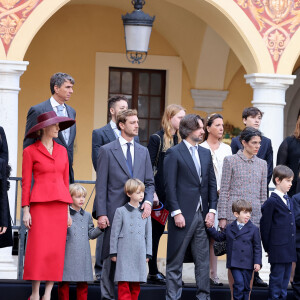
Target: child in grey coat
[
  {"x": 131, "y": 242},
  {"x": 78, "y": 262}
]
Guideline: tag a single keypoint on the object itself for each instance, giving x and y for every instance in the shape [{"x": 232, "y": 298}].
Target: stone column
[
  {"x": 10, "y": 73},
  {"x": 269, "y": 96}
]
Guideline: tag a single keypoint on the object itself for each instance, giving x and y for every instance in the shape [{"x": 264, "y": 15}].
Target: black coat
[
  {"x": 265, "y": 152},
  {"x": 5, "y": 220},
  {"x": 154, "y": 147},
  {"x": 296, "y": 205},
  {"x": 41, "y": 108},
  {"x": 278, "y": 230},
  {"x": 243, "y": 246},
  {"x": 289, "y": 155},
  {"x": 183, "y": 189}
]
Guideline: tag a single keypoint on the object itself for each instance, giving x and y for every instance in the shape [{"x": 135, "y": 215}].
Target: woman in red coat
[{"x": 45, "y": 207}]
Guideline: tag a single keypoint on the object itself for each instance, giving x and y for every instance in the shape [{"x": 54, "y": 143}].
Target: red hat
[{"x": 47, "y": 119}]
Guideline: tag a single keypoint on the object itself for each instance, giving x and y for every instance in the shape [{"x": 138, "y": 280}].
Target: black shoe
[
  {"x": 215, "y": 282},
  {"x": 257, "y": 281},
  {"x": 158, "y": 278}
]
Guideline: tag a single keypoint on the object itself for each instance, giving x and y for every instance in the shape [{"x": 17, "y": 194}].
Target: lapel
[
  {"x": 202, "y": 161},
  {"x": 280, "y": 202},
  {"x": 119, "y": 156},
  {"x": 244, "y": 230},
  {"x": 262, "y": 147},
  {"x": 234, "y": 228},
  {"x": 109, "y": 132},
  {"x": 187, "y": 157},
  {"x": 42, "y": 149},
  {"x": 138, "y": 155}
]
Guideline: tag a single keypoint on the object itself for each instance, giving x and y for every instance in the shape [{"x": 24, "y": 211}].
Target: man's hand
[
  {"x": 103, "y": 222},
  {"x": 210, "y": 219},
  {"x": 147, "y": 210},
  {"x": 69, "y": 220},
  {"x": 155, "y": 200},
  {"x": 114, "y": 258},
  {"x": 3, "y": 230},
  {"x": 222, "y": 223},
  {"x": 256, "y": 267},
  {"x": 179, "y": 220}
]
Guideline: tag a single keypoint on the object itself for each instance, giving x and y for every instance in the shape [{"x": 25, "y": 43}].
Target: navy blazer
[
  {"x": 100, "y": 137},
  {"x": 296, "y": 206},
  {"x": 183, "y": 189},
  {"x": 278, "y": 230},
  {"x": 43, "y": 107},
  {"x": 265, "y": 152},
  {"x": 243, "y": 246}
]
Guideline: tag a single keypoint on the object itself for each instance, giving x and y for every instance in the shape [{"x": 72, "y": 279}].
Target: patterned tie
[
  {"x": 60, "y": 113},
  {"x": 240, "y": 226},
  {"x": 129, "y": 160},
  {"x": 193, "y": 149},
  {"x": 288, "y": 203}
]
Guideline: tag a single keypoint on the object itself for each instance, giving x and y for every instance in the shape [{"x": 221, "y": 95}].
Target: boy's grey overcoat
[
  {"x": 78, "y": 262},
  {"x": 131, "y": 242}
]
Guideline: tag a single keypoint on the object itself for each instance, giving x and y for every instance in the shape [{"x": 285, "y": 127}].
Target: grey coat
[
  {"x": 131, "y": 242},
  {"x": 78, "y": 262},
  {"x": 112, "y": 174}
]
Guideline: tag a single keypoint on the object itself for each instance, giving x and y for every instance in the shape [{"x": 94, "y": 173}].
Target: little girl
[
  {"x": 131, "y": 242},
  {"x": 78, "y": 262}
]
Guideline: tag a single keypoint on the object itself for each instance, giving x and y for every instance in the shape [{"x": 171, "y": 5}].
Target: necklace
[{"x": 49, "y": 148}]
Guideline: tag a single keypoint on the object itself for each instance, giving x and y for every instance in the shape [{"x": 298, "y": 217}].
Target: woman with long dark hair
[
  {"x": 159, "y": 143},
  {"x": 214, "y": 129},
  {"x": 45, "y": 206}
]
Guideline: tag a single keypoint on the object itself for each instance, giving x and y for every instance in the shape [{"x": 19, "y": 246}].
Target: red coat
[{"x": 50, "y": 174}]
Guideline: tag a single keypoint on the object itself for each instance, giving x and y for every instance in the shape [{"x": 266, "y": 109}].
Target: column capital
[
  {"x": 208, "y": 100},
  {"x": 260, "y": 80}
]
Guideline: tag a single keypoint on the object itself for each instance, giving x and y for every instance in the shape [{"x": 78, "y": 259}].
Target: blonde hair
[
  {"x": 132, "y": 185},
  {"x": 75, "y": 188},
  {"x": 169, "y": 113}
]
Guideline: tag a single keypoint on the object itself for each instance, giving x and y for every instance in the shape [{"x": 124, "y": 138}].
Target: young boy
[
  {"x": 277, "y": 228},
  {"x": 131, "y": 242},
  {"x": 243, "y": 248},
  {"x": 78, "y": 262}
]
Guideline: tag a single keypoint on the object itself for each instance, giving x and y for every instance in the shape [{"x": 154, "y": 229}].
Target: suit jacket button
[
  {"x": 292, "y": 223},
  {"x": 292, "y": 234}
]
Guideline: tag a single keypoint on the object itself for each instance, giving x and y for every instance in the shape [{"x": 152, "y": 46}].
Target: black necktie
[
  {"x": 129, "y": 160},
  {"x": 288, "y": 203}
]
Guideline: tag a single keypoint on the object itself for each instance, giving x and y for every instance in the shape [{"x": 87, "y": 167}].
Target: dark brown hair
[
  {"x": 241, "y": 205},
  {"x": 251, "y": 111},
  {"x": 123, "y": 115},
  {"x": 297, "y": 128},
  {"x": 209, "y": 121},
  {"x": 248, "y": 133},
  {"x": 281, "y": 172},
  {"x": 188, "y": 124}
]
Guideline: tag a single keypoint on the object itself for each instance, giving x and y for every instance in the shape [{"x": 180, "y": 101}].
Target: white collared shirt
[
  {"x": 178, "y": 211},
  {"x": 115, "y": 129},
  {"x": 280, "y": 194},
  {"x": 124, "y": 147}
]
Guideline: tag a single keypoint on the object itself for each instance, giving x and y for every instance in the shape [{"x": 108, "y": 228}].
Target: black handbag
[{"x": 220, "y": 247}]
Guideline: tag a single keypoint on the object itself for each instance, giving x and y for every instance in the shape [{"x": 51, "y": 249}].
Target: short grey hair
[
  {"x": 188, "y": 124},
  {"x": 58, "y": 79}
]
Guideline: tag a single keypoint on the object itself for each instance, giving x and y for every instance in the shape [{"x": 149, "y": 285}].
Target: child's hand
[
  {"x": 256, "y": 267},
  {"x": 114, "y": 259},
  {"x": 69, "y": 221},
  {"x": 147, "y": 259}
]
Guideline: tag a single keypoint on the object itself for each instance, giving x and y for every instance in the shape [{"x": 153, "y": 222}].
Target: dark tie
[
  {"x": 129, "y": 160},
  {"x": 288, "y": 203}
]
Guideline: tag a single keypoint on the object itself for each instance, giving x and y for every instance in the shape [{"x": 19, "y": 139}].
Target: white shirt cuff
[
  {"x": 146, "y": 201},
  {"x": 175, "y": 213},
  {"x": 213, "y": 211}
]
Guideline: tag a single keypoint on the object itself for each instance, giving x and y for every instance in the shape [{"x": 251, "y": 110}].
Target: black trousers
[
  {"x": 296, "y": 281},
  {"x": 157, "y": 232}
]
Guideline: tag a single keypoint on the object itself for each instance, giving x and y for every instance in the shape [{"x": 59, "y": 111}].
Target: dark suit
[
  {"x": 100, "y": 137},
  {"x": 265, "y": 152},
  {"x": 277, "y": 228},
  {"x": 243, "y": 249},
  {"x": 183, "y": 191},
  {"x": 46, "y": 106},
  {"x": 112, "y": 174}
]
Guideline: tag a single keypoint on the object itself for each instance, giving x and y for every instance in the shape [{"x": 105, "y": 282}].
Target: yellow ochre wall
[{"x": 68, "y": 42}]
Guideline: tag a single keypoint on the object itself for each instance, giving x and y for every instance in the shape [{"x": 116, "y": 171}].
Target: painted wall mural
[
  {"x": 276, "y": 20},
  {"x": 13, "y": 14}
]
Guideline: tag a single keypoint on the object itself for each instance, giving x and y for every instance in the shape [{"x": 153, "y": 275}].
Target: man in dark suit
[
  {"x": 191, "y": 197},
  {"x": 100, "y": 137},
  {"x": 119, "y": 161},
  {"x": 61, "y": 86},
  {"x": 252, "y": 118}
]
